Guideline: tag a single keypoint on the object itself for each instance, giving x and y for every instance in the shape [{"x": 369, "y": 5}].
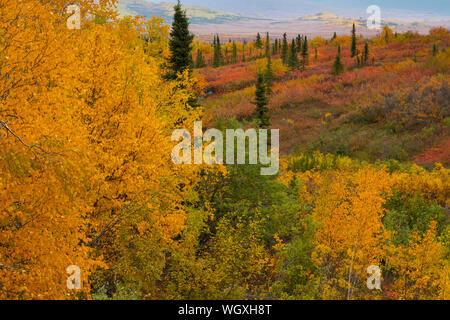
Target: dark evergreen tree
[
  {"x": 284, "y": 50},
  {"x": 334, "y": 36},
  {"x": 435, "y": 49},
  {"x": 258, "y": 43},
  {"x": 234, "y": 59},
  {"x": 299, "y": 41},
  {"x": 275, "y": 47},
  {"x": 305, "y": 53},
  {"x": 354, "y": 50},
  {"x": 200, "y": 62},
  {"x": 261, "y": 103},
  {"x": 366, "y": 54},
  {"x": 226, "y": 61},
  {"x": 217, "y": 59},
  {"x": 338, "y": 67},
  {"x": 293, "y": 61},
  {"x": 214, "y": 51},
  {"x": 180, "y": 44},
  {"x": 267, "y": 45}
]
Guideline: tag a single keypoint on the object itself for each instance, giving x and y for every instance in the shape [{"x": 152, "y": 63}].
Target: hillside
[
  {"x": 126, "y": 173},
  {"x": 205, "y": 21},
  {"x": 336, "y": 20},
  {"x": 196, "y": 14},
  {"x": 354, "y": 113}
]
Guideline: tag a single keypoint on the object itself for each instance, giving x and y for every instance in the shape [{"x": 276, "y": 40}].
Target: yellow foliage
[
  {"x": 433, "y": 186},
  {"x": 260, "y": 66},
  {"x": 421, "y": 268},
  {"x": 94, "y": 100},
  {"x": 350, "y": 236}
]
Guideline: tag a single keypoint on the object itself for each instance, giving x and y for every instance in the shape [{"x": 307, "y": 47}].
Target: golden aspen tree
[
  {"x": 85, "y": 150},
  {"x": 419, "y": 268},
  {"x": 43, "y": 190},
  {"x": 350, "y": 235}
]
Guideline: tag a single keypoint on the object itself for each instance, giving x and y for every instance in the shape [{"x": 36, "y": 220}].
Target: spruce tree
[
  {"x": 267, "y": 45},
  {"x": 334, "y": 36},
  {"x": 354, "y": 50},
  {"x": 338, "y": 67},
  {"x": 275, "y": 47},
  {"x": 299, "y": 43},
  {"x": 180, "y": 44},
  {"x": 226, "y": 56},
  {"x": 293, "y": 61},
  {"x": 284, "y": 50},
  {"x": 435, "y": 50},
  {"x": 200, "y": 62},
  {"x": 217, "y": 59},
  {"x": 261, "y": 103},
  {"x": 305, "y": 60},
  {"x": 258, "y": 43},
  {"x": 366, "y": 54},
  {"x": 234, "y": 59}
]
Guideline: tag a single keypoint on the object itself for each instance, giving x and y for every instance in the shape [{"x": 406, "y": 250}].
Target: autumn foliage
[{"x": 86, "y": 178}]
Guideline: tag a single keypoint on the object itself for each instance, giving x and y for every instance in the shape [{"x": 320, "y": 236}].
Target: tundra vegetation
[{"x": 86, "y": 177}]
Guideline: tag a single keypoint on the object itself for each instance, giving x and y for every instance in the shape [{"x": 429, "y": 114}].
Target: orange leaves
[
  {"x": 386, "y": 35},
  {"x": 113, "y": 199},
  {"x": 439, "y": 32},
  {"x": 348, "y": 210},
  {"x": 96, "y": 96},
  {"x": 433, "y": 186},
  {"x": 350, "y": 236},
  {"x": 41, "y": 232},
  {"x": 418, "y": 267},
  {"x": 348, "y": 200}
]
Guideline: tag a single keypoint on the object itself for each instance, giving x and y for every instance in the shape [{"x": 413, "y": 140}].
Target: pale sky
[{"x": 401, "y": 9}]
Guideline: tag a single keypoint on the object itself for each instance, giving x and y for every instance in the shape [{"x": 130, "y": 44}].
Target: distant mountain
[
  {"x": 206, "y": 21},
  {"x": 196, "y": 14},
  {"x": 407, "y": 10},
  {"x": 332, "y": 19}
]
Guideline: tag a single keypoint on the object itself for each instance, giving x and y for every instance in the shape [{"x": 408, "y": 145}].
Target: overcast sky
[{"x": 401, "y": 9}]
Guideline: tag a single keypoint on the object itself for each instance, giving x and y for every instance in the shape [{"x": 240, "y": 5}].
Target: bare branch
[
  {"x": 4, "y": 266},
  {"x": 37, "y": 150},
  {"x": 113, "y": 223}
]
